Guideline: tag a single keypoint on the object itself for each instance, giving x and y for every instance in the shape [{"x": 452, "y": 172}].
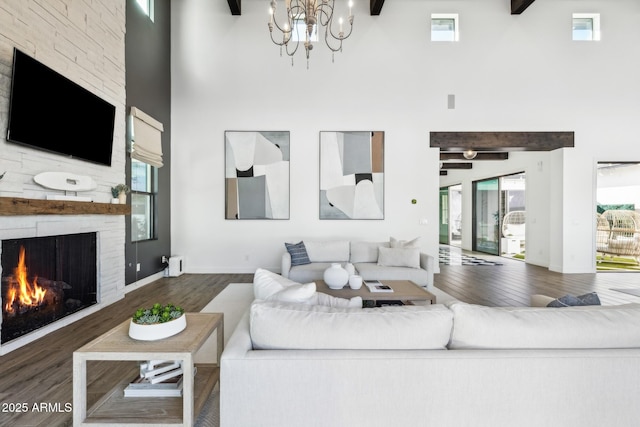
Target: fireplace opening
[{"x": 45, "y": 279}]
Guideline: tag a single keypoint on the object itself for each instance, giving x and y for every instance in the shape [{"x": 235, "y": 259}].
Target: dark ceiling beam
[
  {"x": 235, "y": 6},
  {"x": 501, "y": 141},
  {"x": 449, "y": 155},
  {"x": 376, "y": 7},
  {"x": 467, "y": 165},
  {"x": 518, "y": 6}
]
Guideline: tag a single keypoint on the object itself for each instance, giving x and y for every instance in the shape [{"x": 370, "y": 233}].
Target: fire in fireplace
[
  {"x": 45, "y": 279},
  {"x": 23, "y": 295}
]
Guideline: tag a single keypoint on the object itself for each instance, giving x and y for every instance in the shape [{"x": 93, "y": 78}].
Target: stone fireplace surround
[{"x": 110, "y": 258}]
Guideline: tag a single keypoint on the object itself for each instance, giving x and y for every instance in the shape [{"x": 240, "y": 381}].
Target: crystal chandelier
[{"x": 302, "y": 23}]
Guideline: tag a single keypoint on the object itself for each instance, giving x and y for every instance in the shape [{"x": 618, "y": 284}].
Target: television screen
[{"x": 49, "y": 112}]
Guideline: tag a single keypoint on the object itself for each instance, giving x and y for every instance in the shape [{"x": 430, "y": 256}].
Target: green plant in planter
[
  {"x": 157, "y": 314},
  {"x": 120, "y": 188}
]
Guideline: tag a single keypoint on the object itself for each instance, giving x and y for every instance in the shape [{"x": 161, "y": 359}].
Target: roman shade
[{"x": 146, "y": 138}]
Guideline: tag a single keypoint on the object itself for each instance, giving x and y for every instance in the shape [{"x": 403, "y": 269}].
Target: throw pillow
[
  {"x": 399, "y": 257},
  {"x": 298, "y": 253},
  {"x": 331, "y": 301},
  {"x": 271, "y": 286},
  {"x": 395, "y": 243},
  {"x": 267, "y": 283},
  {"x": 295, "y": 293},
  {"x": 573, "y": 301}
]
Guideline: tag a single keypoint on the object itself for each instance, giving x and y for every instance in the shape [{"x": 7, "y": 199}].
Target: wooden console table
[{"x": 115, "y": 409}]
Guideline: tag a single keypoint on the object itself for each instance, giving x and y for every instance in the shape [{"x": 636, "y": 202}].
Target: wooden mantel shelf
[{"x": 19, "y": 206}]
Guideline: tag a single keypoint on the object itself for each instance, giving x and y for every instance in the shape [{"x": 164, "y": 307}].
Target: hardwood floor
[
  {"x": 41, "y": 372},
  {"x": 513, "y": 282}
]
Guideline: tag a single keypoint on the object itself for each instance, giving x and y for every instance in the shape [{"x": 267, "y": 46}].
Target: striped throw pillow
[{"x": 298, "y": 253}]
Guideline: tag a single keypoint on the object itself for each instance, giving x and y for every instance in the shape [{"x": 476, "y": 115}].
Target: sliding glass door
[
  {"x": 451, "y": 215},
  {"x": 499, "y": 216},
  {"x": 444, "y": 216},
  {"x": 486, "y": 216}
]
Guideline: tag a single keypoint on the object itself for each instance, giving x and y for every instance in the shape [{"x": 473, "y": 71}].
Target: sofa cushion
[
  {"x": 479, "y": 327},
  {"x": 332, "y": 250},
  {"x": 399, "y": 257},
  {"x": 298, "y": 253},
  {"x": 395, "y": 243},
  {"x": 366, "y": 251},
  {"x": 276, "y": 325}
]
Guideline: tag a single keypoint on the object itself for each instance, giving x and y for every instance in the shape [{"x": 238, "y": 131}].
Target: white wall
[{"x": 509, "y": 73}]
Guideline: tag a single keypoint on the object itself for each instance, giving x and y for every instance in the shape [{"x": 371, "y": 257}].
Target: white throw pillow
[
  {"x": 395, "y": 243},
  {"x": 399, "y": 257},
  {"x": 267, "y": 283},
  {"x": 303, "y": 293},
  {"x": 271, "y": 286}
]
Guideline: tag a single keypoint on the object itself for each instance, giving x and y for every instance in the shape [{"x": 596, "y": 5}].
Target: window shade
[{"x": 146, "y": 138}]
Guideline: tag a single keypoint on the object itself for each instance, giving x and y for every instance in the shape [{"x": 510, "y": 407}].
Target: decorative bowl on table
[{"x": 157, "y": 322}]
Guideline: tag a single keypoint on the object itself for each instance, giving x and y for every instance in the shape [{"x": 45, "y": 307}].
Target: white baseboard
[{"x": 142, "y": 282}]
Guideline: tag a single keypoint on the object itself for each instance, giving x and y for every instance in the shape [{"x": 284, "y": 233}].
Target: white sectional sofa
[
  {"x": 372, "y": 260},
  {"x": 299, "y": 365}
]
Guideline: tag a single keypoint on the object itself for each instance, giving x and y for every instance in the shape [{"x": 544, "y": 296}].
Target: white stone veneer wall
[{"x": 84, "y": 41}]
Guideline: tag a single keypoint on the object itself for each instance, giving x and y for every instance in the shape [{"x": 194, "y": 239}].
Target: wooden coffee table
[
  {"x": 403, "y": 290},
  {"x": 116, "y": 345}
]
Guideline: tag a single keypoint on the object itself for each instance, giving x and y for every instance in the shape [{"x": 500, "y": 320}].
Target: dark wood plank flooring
[
  {"x": 513, "y": 283},
  {"x": 41, "y": 372}
]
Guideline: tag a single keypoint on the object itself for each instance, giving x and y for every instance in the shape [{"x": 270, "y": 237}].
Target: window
[
  {"x": 300, "y": 30},
  {"x": 586, "y": 26},
  {"x": 444, "y": 27},
  {"x": 147, "y": 7},
  {"x": 143, "y": 201}
]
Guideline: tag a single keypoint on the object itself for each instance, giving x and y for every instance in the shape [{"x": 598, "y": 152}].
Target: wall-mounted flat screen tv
[{"x": 49, "y": 112}]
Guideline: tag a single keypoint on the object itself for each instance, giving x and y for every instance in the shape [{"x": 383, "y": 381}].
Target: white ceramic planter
[
  {"x": 157, "y": 331},
  {"x": 335, "y": 276},
  {"x": 355, "y": 282}
]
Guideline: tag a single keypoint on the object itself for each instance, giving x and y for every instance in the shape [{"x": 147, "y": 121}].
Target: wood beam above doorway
[
  {"x": 500, "y": 141},
  {"x": 235, "y": 6},
  {"x": 458, "y": 165},
  {"x": 519, "y": 6},
  {"x": 376, "y": 7}
]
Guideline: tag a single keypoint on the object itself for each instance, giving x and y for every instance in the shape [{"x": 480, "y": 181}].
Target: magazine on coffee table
[{"x": 377, "y": 286}]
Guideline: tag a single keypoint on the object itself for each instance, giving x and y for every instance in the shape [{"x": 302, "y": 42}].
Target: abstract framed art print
[
  {"x": 352, "y": 175},
  {"x": 256, "y": 175}
]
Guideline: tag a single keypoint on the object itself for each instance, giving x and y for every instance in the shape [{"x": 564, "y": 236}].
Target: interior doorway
[
  {"x": 618, "y": 216},
  {"x": 499, "y": 215}
]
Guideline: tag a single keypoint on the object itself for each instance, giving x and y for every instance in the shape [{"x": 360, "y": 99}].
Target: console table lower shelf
[{"x": 115, "y": 409}]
